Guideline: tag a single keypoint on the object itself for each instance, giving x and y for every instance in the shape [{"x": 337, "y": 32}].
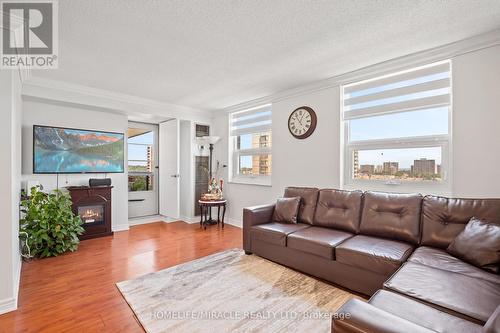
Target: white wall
[
  {"x": 316, "y": 161},
  {"x": 310, "y": 162},
  {"x": 476, "y": 124},
  {"x": 44, "y": 113},
  {"x": 10, "y": 137}
]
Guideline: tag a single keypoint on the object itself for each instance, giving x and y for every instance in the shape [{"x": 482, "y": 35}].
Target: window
[
  {"x": 250, "y": 145},
  {"x": 140, "y": 160},
  {"x": 397, "y": 128}
]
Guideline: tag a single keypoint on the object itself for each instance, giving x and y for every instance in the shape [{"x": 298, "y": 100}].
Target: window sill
[{"x": 255, "y": 182}]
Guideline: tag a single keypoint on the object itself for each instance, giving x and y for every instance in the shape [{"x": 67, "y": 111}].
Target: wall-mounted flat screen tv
[{"x": 68, "y": 150}]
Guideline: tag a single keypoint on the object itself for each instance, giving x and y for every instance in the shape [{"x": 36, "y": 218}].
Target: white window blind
[
  {"x": 251, "y": 121},
  {"x": 422, "y": 88}
]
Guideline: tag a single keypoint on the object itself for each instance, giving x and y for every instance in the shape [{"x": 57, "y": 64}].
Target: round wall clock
[{"x": 302, "y": 122}]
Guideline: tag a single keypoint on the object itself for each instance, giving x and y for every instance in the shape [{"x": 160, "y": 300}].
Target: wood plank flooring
[{"x": 76, "y": 292}]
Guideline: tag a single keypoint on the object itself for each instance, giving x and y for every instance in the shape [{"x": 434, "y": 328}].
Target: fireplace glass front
[{"x": 91, "y": 213}]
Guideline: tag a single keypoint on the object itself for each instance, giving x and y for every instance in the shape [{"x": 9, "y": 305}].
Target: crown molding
[
  {"x": 448, "y": 51},
  {"x": 137, "y": 108}
]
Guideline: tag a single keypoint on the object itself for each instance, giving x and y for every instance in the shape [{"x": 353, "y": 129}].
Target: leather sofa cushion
[
  {"x": 478, "y": 244},
  {"x": 308, "y": 203},
  {"x": 456, "y": 293},
  {"x": 339, "y": 209},
  {"x": 357, "y": 316},
  {"x": 421, "y": 314},
  {"x": 317, "y": 240},
  {"x": 441, "y": 259},
  {"x": 493, "y": 323},
  {"x": 276, "y": 232},
  {"x": 378, "y": 255},
  {"x": 286, "y": 210},
  {"x": 391, "y": 215},
  {"x": 444, "y": 218}
]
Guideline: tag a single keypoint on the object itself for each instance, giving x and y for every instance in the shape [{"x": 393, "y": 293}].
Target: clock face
[{"x": 302, "y": 122}]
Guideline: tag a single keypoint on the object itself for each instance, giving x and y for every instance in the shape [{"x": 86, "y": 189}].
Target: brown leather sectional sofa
[{"x": 391, "y": 247}]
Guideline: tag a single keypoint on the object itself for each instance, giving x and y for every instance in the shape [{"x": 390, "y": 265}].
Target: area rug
[{"x": 232, "y": 292}]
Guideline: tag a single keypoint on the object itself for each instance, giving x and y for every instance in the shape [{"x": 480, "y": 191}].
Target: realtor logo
[{"x": 29, "y": 34}]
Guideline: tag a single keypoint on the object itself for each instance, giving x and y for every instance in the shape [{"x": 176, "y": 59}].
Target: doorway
[{"x": 142, "y": 169}]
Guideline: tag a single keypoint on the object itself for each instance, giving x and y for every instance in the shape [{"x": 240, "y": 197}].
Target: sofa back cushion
[
  {"x": 391, "y": 215},
  {"x": 444, "y": 218},
  {"x": 339, "y": 209},
  {"x": 309, "y": 198}
]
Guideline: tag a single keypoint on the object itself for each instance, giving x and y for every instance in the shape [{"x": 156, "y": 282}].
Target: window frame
[
  {"x": 235, "y": 154},
  {"x": 150, "y": 174},
  {"x": 444, "y": 141}
]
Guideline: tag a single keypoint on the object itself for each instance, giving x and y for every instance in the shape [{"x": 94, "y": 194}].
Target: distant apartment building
[
  {"x": 261, "y": 164},
  {"x": 368, "y": 169},
  {"x": 390, "y": 168},
  {"x": 424, "y": 167},
  {"x": 356, "y": 163}
]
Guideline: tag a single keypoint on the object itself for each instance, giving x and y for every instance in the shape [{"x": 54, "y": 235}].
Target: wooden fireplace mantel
[{"x": 95, "y": 195}]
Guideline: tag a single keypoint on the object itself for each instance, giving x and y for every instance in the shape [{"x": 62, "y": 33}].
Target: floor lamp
[
  {"x": 211, "y": 141},
  {"x": 203, "y": 142}
]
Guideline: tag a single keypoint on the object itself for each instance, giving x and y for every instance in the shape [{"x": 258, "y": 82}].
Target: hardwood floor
[{"x": 76, "y": 292}]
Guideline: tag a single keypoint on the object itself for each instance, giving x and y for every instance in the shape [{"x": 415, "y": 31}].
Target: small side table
[{"x": 206, "y": 207}]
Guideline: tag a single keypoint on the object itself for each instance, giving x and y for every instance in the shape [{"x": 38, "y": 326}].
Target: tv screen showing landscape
[{"x": 67, "y": 150}]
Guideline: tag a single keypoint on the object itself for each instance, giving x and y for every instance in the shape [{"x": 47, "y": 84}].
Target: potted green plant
[{"x": 48, "y": 226}]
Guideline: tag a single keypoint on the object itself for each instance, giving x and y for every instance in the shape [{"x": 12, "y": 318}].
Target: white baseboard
[
  {"x": 166, "y": 219},
  {"x": 190, "y": 220},
  {"x": 160, "y": 218},
  {"x": 146, "y": 219},
  {"x": 119, "y": 227},
  {"x": 227, "y": 220},
  {"x": 234, "y": 222},
  {"x": 8, "y": 305}
]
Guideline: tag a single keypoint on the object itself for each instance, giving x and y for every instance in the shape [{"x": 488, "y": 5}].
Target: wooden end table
[{"x": 206, "y": 207}]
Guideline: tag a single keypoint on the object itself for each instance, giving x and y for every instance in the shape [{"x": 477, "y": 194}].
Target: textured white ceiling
[{"x": 212, "y": 54}]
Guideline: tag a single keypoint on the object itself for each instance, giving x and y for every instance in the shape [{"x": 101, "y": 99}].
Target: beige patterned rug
[{"x": 232, "y": 292}]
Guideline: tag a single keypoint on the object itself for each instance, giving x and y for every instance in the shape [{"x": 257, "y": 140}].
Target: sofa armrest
[
  {"x": 357, "y": 316},
  {"x": 253, "y": 216}
]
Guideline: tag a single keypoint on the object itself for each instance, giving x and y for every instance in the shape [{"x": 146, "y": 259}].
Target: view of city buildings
[
  {"x": 256, "y": 164},
  {"x": 421, "y": 169},
  {"x": 140, "y": 162}
]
